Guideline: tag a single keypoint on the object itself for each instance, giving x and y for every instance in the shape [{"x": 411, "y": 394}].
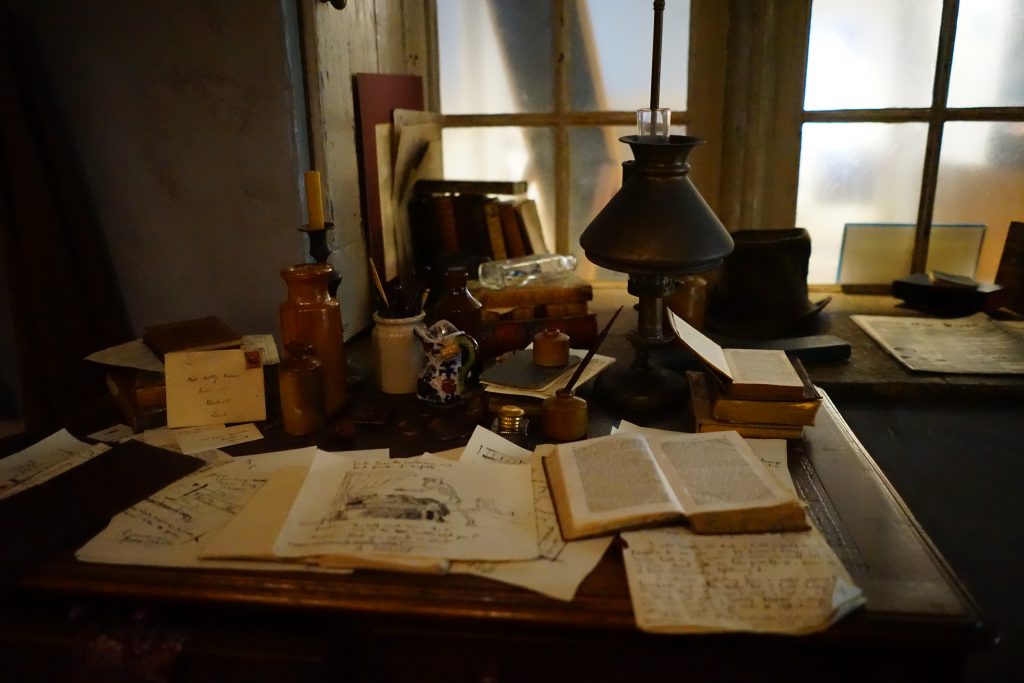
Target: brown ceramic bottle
[
  {"x": 312, "y": 316},
  {"x": 301, "y": 382}
]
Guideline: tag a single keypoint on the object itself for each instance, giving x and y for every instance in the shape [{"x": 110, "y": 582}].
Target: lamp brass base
[{"x": 641, "y": 389}]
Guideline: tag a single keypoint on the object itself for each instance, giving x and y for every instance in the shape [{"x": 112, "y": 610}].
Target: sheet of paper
[
  {"x": 971, "y": 345},
  {"x": 559, "y": 578},
  {"x": 487, "y": 447},
  {"x": 265, "y": 344},
  {"x": 113, "y": 434},
  {"x": 198, "y": 439},
  {"x": 701, "y": 345},
  {"x": 171, "y": 527},
  {"x": 681, "y": 582},
  {"x": 213, "y": 387},
  {"x": 412, "y": 508},
  {"x": 253, "y": 531},
  {"x": 133, "y": 354},
  {"x": 597, "y": 364},
  {"x": 43, "y": 461}
]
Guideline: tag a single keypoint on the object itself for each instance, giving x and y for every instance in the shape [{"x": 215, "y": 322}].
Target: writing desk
[{"x": 918, "y": 624}]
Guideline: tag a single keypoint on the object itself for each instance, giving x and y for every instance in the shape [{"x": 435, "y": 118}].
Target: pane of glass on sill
[
  {"x": 506, "y": 153},
  {"x": 595, "y": 169},
  {"x": 871, "y": 54},
  {"x": 495, "y": 57},
  {"x": 988, "y": 57},
  {"x": 855, "y": 173},
  {"x": 981, "y": 180},
  {"x": 611, "y": 55}
]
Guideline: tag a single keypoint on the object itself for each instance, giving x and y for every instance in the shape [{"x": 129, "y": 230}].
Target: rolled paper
[{"x": 314, "y": 201}]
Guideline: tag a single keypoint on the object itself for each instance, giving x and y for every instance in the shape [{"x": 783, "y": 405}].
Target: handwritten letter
[{"x": 213, "y": 387}]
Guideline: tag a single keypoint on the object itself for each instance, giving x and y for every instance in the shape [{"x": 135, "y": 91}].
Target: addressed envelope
[{"x": 213, "y": 387}]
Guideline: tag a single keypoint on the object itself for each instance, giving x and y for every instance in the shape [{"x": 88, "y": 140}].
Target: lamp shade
[{"x": 657, "y": 223}]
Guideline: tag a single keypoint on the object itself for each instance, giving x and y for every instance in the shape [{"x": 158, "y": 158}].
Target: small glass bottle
[
  {"x": 457, "y": 305},
  {"x": 300, "y": 380}
]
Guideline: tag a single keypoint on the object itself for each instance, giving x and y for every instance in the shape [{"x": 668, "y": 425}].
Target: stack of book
[
  {"x": 454, "y": 222},
  {"x": 756, "y": 392},
  {"x": 513, "y": 315}
]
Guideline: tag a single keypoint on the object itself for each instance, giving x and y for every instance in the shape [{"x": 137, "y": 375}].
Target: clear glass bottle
[{"x": 518, "y": 271}]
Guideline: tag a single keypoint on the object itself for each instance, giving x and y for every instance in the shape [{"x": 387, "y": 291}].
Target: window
[
  {"x": 541, "y": 90},
  {"x": 913, "y": 113}
]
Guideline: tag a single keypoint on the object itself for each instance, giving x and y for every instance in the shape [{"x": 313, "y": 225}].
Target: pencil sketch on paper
[{"x": 405, "y": 495}]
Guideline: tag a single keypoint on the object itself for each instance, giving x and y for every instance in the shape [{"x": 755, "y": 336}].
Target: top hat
[{"x": 761, "y": 290}]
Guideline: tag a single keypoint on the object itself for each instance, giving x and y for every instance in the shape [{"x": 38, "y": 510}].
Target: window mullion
[
  {"x": 933, "y": 146},
  {"x": 563, "y": 182}
]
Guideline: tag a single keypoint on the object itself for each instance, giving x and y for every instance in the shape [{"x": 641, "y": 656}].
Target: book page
[
  {"x": 710, "y": 352},
  {"x": 412, "y": 508},
  {"x": 762, "y": 366},
  {"x": 681, "y": 582},
  {"x": 974, "y": 345},
  {"x": 600, "y": 484},
  {"x": 717, "y": 471}
]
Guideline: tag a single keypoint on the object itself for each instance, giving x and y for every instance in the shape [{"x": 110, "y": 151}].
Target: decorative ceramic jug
[{"x": 449, "y": 355}]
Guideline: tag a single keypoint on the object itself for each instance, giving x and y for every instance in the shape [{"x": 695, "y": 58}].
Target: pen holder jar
[
  {"x": 398, "y": 355},
  {"x": 564, "y": 416}
]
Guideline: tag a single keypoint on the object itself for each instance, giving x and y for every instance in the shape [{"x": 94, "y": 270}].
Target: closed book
[
  {"x": 513, "y": 232},
  {"x": 769, "y": 412},
  {"x": 500, "y": 336},
  {"x": 148, "y": 388},
  {"x": 471, "y": 223},
  {"x": 201, "y": 334},
  {"x": 495, "y": 232},
  {"x": 137, "y": 417},
  {"x": 705, "y": 421},
  {"x": 480, "y": 187},
  {"x": 529, "y": 217},
  {"x": 554, "y": 288}
]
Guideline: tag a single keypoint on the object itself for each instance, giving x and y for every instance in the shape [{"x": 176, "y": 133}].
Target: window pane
[
  {"x": 855, "y": 173},
  {"x": 611, "y": 55},
  {"x": 988, "y": 58},
  {"x": 506, "y": 153},
  {"x": 870, "y": 54},
  {"x": 495, "y": 57},
  {"x": 981, "y": 180}
]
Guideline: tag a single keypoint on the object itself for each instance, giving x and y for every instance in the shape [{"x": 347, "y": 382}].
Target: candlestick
[{"x": 314, "y": 200}]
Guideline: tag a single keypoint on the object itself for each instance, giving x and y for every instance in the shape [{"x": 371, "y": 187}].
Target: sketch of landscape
[{"x": 412, "y": 508}]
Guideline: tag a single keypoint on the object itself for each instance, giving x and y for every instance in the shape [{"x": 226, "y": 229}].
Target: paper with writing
[
  {"x": 198, "y": 439},
  {"x": 213, "y": 387},
  {"x": 681, "y": 582},
  {"x": 412, "y": 508},
  {"x": 113, "y": 434},
  {"x": 43, "y": 461},
  {"x": 171, "y": 527},
  {"x": 487, "y": 447},
  {"x": 133, "y": 354},
  {"x": 975, "y": 344}
]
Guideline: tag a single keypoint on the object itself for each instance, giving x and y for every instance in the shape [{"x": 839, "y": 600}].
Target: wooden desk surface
[{"x": 390, "y": 625}]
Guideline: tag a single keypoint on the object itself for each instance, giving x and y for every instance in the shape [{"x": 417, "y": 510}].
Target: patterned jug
[{"x": 449, "y": 356}]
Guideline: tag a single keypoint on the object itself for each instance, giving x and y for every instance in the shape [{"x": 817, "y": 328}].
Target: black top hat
[{"x": 761, "y": 290}]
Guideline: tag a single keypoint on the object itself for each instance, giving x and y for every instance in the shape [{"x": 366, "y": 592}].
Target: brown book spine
[
  {"x": 495, "y": 233},
  {"x": 529, "y": 217},
  {"x": 512, "y": 231},
  {"x": 443, "y": 228}
]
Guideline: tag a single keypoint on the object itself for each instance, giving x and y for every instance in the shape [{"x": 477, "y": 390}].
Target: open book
[
  {"x": 713, "y": 482},
  {"x": 758, "y": 374}
]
